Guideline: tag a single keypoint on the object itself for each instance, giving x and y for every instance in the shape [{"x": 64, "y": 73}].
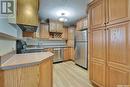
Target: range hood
[{"x": 28, "y": 28}]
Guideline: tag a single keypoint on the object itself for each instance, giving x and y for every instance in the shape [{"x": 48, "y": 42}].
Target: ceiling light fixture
[
  {"x": 63, "y": 19},
  {"x": 62, "y": 13}
]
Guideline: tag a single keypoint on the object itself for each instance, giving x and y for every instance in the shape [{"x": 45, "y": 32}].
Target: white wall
[
  {"x": 7, "y": 45},
  {"x": 7, "y": 28}
]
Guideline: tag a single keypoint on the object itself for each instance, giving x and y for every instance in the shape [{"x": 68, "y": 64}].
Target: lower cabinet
[
  {"x": 110, "y": 58},
  {"x": 72, "y": 53},
  {"x": 68, "y": 54},
  {"x": 118, "y": 77},
  {"x": 39, "y": 75},
  {"x": 98, "y": 57},
  {"x": 98, "y": 73},
  {"x": 118, "y": 59}
]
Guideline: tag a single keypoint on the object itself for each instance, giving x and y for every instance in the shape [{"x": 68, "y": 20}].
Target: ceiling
[{"x": 73, "y": 9}]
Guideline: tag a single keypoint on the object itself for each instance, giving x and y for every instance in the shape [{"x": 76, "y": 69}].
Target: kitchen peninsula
[{"x": 27, "y": 70}]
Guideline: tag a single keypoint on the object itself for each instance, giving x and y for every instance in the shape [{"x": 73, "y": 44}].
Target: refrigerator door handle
[{"x": 77, "y": 54}]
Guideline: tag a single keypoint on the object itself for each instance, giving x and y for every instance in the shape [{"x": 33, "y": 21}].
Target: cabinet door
[
  {"x": 60, "y": 27},
  {"x": 71, "y": 31},
  {"x": 85, "y": 23},
  {"x": 118, "y": 11},
  {"x": 77, "y": 26},
  {"x": 98, "y": 14},
  {"x": 98, "y": 73},
  {"x": 66, "y": 54},
  {"x": 98, "y": 57},
  {"x": 98, "y": 45},
  {"x": 44, "y": 33},
  {"x": 70, "y": 43},
  {"x": 72, "y": 53},
  {"x": 118, "y": 55},
  {"x": 118, "y": 77},
  {"x": 53, "y": 27},
  {"x": 46, "y": 74},
  {"x": 65, "y": 34},
  {"x": 118, "y": 43}
]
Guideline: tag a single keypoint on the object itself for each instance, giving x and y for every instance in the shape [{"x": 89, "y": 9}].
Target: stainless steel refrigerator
[{"x": 81, "y": 48}]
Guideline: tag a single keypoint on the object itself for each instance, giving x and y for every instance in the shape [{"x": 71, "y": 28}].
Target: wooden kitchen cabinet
[
  {"x": 26, "y": 12},
  {"x": 65, "y": 33},
  {"x": 71, "y": 32},
  {"x": 66, "y": 54},
  {"x": 70, "y": 43},
  {"x": 85, "y": 23},
  {"x": 53, "y": 26},
  {"x": 98, "y": 57},
  {"x": 118, "y": 77},
  {"x": 81, "y": 24},
  {"x": 117, "y": 11},
  {"x": 109, "y": 61},
  {"x": 97, "y": 14},
  {"x": 98, "y": 74},
  {"x": 56, "y": 26},
  {"x": 60, "y": 27},
  {"x": 118, "y": 56},
  {"x": 44, "y": 32},
  {"x": 72, "y": 53},
  {"x": 29, "y": 34},
  {"x": 39, "y": 75},
  {"x": 98, "y": 43}
]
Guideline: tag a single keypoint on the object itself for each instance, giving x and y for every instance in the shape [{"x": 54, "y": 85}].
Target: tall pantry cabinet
[{"x": 109, "y": 48}]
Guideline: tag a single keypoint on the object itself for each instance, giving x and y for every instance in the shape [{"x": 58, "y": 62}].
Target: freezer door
[{"x": 81, "y": 54}]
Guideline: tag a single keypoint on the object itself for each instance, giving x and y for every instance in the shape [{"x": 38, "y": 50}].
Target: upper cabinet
[
  {"x": 65, "y": 33},
  {"x": 53, "y": 26},
  {"x": 56, "y": 26},
  {"x": 117, "y": 11},
  {"x": 81, "y": 24},
  {"x": 97, "y": 13},
  {"x": 71, "y": 32},
  {"x": 60, "y": 27},
  {"x": 26, "y": 12},
  {"x": 85, "y": 23},
  {"x": 44, "y": 32},
  {"x": 107, "y": 12}
]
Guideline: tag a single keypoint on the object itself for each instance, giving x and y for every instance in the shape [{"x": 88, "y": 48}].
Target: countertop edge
[{"x": 23, "y": 65}]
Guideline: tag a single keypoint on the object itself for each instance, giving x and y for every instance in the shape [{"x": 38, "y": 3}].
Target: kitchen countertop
[{"x": 21, "y": 60}]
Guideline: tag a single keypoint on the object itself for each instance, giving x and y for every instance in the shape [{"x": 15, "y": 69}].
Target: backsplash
[{"x": 31, "y": 41}]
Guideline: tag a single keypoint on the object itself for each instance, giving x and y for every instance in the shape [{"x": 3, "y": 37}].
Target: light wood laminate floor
[{"x": 67, "y": 74}]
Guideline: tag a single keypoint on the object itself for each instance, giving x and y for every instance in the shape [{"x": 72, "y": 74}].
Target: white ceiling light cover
[{"x": 62, "y": 19}]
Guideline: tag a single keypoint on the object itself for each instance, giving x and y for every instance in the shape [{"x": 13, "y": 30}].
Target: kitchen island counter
[
  {"x": 27, "y": 59},
  {"x": 27, "y": 70}
]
